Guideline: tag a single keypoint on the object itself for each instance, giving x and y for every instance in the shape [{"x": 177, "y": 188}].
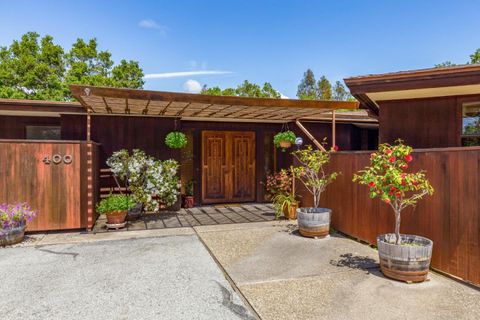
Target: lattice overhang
[{"x": 103, "y": 100}]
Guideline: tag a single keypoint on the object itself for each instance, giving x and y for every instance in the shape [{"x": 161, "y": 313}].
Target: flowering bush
[
  {"x": 388, "y": 180},
  {"x": 311, "y": 172},
  {"x": 279, "y": 183},
  {"x": 14, "y": 215},
  {"x": 151, "y": 181},
  {"x": 176, "y": 140}
]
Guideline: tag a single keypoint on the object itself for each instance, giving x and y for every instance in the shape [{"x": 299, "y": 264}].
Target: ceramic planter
[
  {"x": 408, "y": 261},
  {"x": 314, "y": 222},
  {"x": 13, "y": 235},
  {"x": 290, "y": 213},
  {"x": 189, "y": 202},
  {"x": 285, "y": 144},
  {"x": 135, "y": 212},
  {"x": 116, "y": 217}
]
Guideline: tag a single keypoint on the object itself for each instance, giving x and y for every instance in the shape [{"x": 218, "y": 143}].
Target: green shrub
[
  {"x": 176, "y": 140},
  {"x": 116, "y": 202}
]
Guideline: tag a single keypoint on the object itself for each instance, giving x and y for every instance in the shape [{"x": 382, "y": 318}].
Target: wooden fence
[
  {"x": 57, "y": 178},
  {"x": 451, "y": 217}
]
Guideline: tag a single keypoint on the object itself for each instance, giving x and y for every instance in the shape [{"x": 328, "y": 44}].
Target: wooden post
[
  {"x": 88, "y": 125},
  {"x": 310, "y": 136},
  {"x": 334, "y": 138}
]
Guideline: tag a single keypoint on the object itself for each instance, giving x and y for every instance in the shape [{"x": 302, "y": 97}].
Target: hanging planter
[
  {"x": 176, "y": 140},
  {"x": 284, "y": 139}
]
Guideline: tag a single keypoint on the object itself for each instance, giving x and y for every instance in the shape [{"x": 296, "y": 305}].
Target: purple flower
[{"x": 13, "y": 215}]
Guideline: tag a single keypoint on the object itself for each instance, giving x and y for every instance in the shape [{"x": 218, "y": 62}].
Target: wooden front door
[{"x": 228, "y": 166}]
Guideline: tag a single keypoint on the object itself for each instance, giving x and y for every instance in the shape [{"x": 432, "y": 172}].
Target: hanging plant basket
[
  {"x": 284, "y": 139},
  {"x": 176, "y": 140}
]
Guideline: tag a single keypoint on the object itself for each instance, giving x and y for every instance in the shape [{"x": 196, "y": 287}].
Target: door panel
[
  {"x": 214, "y": 167},
  {"x": 228, "y": 166},
  {"x": 243, "y": 166}
]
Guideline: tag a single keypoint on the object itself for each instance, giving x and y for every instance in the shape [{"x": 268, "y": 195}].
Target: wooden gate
[
  {"x": 228, "y": 166},
  {"x": 57, "y": 179}
]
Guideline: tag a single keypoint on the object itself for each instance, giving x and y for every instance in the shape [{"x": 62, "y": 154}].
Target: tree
[
  {"x": 475, "y": 57},
  {"x": 388, "y": 180},
  {"x": 35, "y": 68},
  {"x": 307, "y": 89},
  {"x": 324, "y": 90},
  {"x": 340, "y": 93},
  {"x": 32, "y": 69},
  {"x": 246, "y": 89},
  {"x": 445, "y": 64}
]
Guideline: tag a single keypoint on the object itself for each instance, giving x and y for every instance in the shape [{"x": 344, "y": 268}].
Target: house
[{"x": 428, "y": 108}]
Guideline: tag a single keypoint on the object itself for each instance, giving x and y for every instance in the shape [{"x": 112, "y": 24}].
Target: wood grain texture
[
  {"x": 451, "y": 217},
  {"x": 56, "y": 191},
  {"x": 228, "y": 166}
]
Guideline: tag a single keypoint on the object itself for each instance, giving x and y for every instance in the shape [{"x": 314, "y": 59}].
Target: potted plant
[
  {"x": 151, "y": 182},
  {"x": 115, "y": 207},
  {"x": 189, "y": 199},
  {"x": 176, "y": 140},
  {"x": 403, "y": 257},
  {"x": 285, "y": 204},
  {"x": 284, "y": 139},
  {"x": 13, "y": 219},
  {"x": 314, "y": 221}
]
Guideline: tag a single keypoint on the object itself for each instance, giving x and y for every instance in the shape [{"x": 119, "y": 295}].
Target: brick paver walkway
[{"x": 198, "y": 216}]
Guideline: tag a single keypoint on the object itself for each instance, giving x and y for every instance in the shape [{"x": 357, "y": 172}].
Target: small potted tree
[
  {"x": 176, "y": 140},
  {"x": 284, "y": 139},
  {"x": 189, "y": 198},
  {"x": 402, "y": 257},
  {"x": 115, "y": 208},
  {"x": 13, "y": 219},
  {"x": 313, "y": 222}
]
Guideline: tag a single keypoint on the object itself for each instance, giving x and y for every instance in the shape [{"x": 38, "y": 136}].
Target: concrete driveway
[{"x": 160, "y": 277}]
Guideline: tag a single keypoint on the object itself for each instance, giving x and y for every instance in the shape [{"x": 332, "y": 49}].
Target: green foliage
[
  {"x": 475, "y": 57},
  {"x": 152, "y": 182},
  {"x": 309, "y": 89},
  {"x": 246, "y": 89},
  {"x": 176, "y": 140},
  {"x": 311, "y": 171},
  {"x": 114, "y": 203},
  {"x": 445, "y": 64},
  {"x": 36, "y": 68},
  {"x": 284, "y": 136},
  {"x": 282, "y": 202},
  {"x": 189, "y": 188},
  {"x": 388, "y": 179}
]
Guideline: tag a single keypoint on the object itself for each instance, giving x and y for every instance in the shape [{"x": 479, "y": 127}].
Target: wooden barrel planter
[
  {"x": 314, "y": 222},
  {"x": 12, "y": 236},
  {"x": 409, "y": 261}
]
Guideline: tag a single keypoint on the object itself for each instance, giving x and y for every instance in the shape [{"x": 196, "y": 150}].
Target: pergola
[{"x": 187, "y": 106}]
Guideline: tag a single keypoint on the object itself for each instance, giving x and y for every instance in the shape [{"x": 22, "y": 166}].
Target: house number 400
[{"x": 57, "y": 159}]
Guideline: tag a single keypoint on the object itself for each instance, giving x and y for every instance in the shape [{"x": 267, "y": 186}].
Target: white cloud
[
  {"x": 282, "y": 96},
  {"x": 192, "y": 86},
  {"x": 184, "y": 74},
  {"x": 152, "y": 24}
]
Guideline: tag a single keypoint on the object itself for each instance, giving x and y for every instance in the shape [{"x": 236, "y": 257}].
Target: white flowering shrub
[{"x": 151, "y": 181}]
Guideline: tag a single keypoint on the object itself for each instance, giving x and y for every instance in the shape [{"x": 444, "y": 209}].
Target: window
[
  {"x": 471, "y": 124},
  {"x": 43, "y": 132}
]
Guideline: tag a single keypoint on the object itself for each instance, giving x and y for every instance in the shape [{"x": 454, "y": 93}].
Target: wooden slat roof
[{"x": 106, "y": 100}]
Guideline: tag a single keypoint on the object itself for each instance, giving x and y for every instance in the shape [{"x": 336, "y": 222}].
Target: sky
[{"x": 182, "y": 45}]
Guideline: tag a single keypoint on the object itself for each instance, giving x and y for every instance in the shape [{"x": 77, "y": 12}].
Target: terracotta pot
[
  {"x": 290, "y": 213},
  {"x": 12, "y": 236},
  {"x": 285, "y": 144},
  {"x": 314, "y": 222},
  {"x": 116, "y": 217},
  {"x": 404, "y": 262},
  {"x": 189, "y": 202}
]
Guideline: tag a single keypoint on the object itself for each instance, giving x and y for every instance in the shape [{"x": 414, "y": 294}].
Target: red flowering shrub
[
  {"x": 279, "y": 183},
  {"x": 388, "y": 180}
]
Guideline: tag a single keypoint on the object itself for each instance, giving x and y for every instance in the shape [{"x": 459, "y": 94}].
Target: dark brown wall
[
  {"x": 13, "y": 127},
  {"x": 74, "y": 126},
  {"x": 422, "y": 123},
  {"x": 451, "y": 217}
]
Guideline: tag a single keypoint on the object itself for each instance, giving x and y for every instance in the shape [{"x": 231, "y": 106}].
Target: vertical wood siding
[
  {"x": 59, "y": 192},
  {"x": 451, "y": 217}
]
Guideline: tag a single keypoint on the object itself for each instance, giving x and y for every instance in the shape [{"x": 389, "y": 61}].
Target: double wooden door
[{"x": 228, "y": 166}]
